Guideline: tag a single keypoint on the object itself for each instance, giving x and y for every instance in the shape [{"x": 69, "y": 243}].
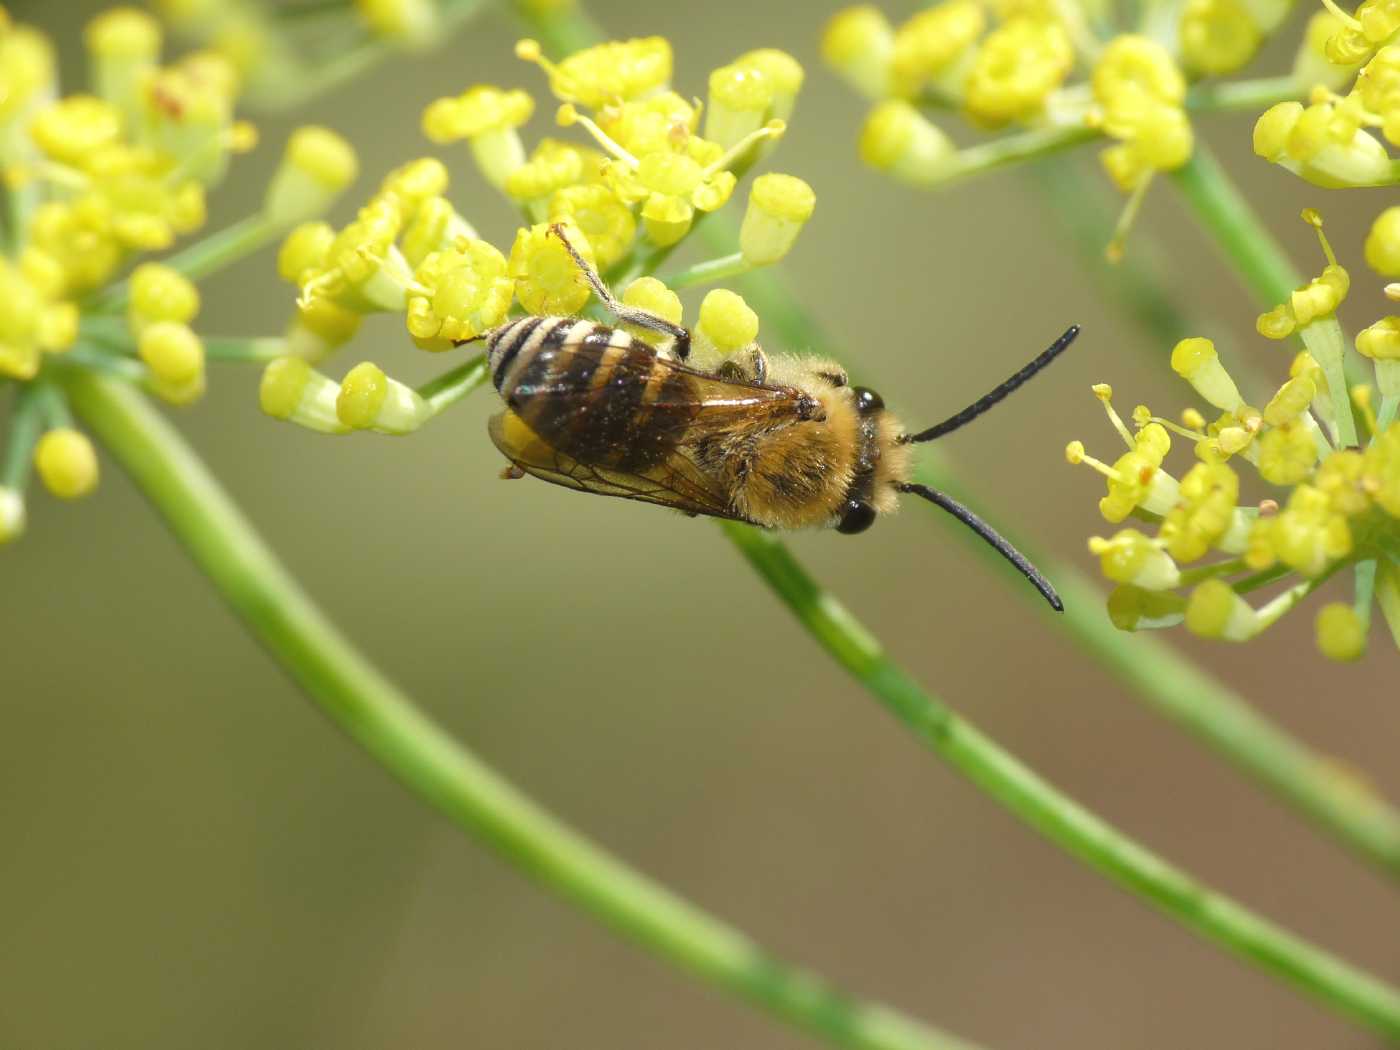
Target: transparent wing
[{"x": 676, "y": 482}]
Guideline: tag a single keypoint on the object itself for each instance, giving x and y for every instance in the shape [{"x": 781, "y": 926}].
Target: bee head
[{"x": 881, "y": 464}]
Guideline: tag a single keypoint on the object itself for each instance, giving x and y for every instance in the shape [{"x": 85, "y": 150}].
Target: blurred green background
[{"x": 192, "y": 857}]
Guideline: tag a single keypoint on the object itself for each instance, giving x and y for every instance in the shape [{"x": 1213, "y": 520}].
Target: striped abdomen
[{"x": 591, "y": 391}]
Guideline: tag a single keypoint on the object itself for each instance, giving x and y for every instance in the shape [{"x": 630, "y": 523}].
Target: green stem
[
  {"x": 1259, "y": 259},
  {"x": 246, "y": 350},
  {"x": 1158, "y": 675},
  {"x": 1059, "y": 818},
  {"x": 204, "y": 257},
  {"x": 450, "y": 387},
  {"x": 1364, "y": 591},
  {"x": 1251, "y": 95},
  {"x": 1386, "y": 415},
  {"x": 354, "y": 694},
  {"x": 1245, "y": 241},
  {"x": 709, "y": 271},
  {"x": 26, "y": 424},
  {"x": 1008, "y": 149}
]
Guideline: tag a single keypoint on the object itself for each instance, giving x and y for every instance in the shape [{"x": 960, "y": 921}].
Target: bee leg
[
  {"x": 753, "y": 370},
  {"x": 619, "y": 309},
  {"x": 512, "y": 473}
]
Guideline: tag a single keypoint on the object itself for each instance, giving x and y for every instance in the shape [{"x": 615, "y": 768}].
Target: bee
[{"x": 782, "y": 442}]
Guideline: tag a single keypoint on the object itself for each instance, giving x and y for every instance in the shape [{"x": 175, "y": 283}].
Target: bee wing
[{"x": 677, "y": 482}]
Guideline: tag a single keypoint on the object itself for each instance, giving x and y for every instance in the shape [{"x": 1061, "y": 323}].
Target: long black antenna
[
  {"x": 981, "y": 405},
  {"x": 994, "y": 538}
]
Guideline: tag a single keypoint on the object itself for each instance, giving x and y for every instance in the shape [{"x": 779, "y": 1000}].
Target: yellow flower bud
[
  {"x": 75, "y": 128},
  {"x": 175, "y": 356},
  {"x": 1291, "y": 401},
  {"x": 1132, "y": 608},
  {"x": 124, "y": 44},
  {"x": 934, "y": 40},
  {"x": 1132, "y": 558},
  {"x": 306, "y": 249},
  {"x": 741, "y": 98},
  {"x": 1216, "y": 611},
  {"x": 316, "y": 168},
  {"x": 1381, "y": 341},
  {"x": 1218, "y": 36},
  {"x": 26, "y": 71},
  {"x": 649, "y": 294},
  {"x": 413, "y": 183},
  {"x": 1273, "y": 129},
  {"x": 370, "y": 400},
  {"x": 1383, "y": 243},
  {"x": 1196, "y": 361},
  {"x": 66, "y": 463},
  {"x": 1340, "y": 633},
  {"x": 726, "y": 322},
  {"x": 785, "y": 76},
  {"x": 414, "y": 22},
  {"x": 552, "y": 166},
  {"x": 779, "y": 206},
  {"x": 159, "y": 293},
  {"x": 858, "y": 44},
  {"x": 291, "y": 390},
  {"x": 900, "y": 141}
]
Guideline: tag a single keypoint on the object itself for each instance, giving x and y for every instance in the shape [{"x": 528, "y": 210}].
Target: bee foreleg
[
  {"x": 512, "y": 473},
  {"x": 619, "y": 309}
]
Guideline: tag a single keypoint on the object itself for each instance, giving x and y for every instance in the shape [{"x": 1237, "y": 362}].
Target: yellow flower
[
  {"x": 1017, "y": 67},
  {"x": 618, "y": 71},
  {"x": 66, "y": 463},
  {"x": 605, "y": 220},
  {"x": 459, "y": 294},
  {"x": 547, "y": 281}
]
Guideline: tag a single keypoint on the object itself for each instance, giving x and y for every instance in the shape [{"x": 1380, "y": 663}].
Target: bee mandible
[{"x": 778, "y": 441}]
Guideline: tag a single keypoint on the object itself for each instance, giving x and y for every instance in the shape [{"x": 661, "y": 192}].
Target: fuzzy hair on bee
[{"x": 779, "y": 441}]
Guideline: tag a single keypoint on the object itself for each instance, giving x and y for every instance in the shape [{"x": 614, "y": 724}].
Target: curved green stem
[
  {"x": 1157, "y": 674},
  {"x": 376, "y": 714},
  {"x": 1163, "y": 678},
  {"x": 1262, "y": 263},
  {"x": 1056, "y": 816},
  {"x": 203, "y": 257}
]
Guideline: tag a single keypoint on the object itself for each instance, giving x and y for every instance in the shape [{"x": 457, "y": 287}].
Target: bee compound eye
[
  {"x": 856, "y": 516},
  {"x": 867, "y": 401}
]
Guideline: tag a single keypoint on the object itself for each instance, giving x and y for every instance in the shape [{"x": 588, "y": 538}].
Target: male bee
[{"x": 782, "y": 442}]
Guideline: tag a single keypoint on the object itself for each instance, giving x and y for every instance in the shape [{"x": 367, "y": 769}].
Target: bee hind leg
[{"x": 619, "y": 309}]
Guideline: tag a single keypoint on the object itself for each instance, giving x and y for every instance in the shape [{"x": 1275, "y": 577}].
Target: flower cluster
[
  {"x": 94, "y": 181},
  {"x": 648, "y": 171},
  {"x": 1331, "y": 496},
  {"x": 1057, "y": 73},
  {"x": 286, "y": 51}
]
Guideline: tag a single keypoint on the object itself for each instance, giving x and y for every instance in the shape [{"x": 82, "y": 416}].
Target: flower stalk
[{"x": 371, "y": 709}]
